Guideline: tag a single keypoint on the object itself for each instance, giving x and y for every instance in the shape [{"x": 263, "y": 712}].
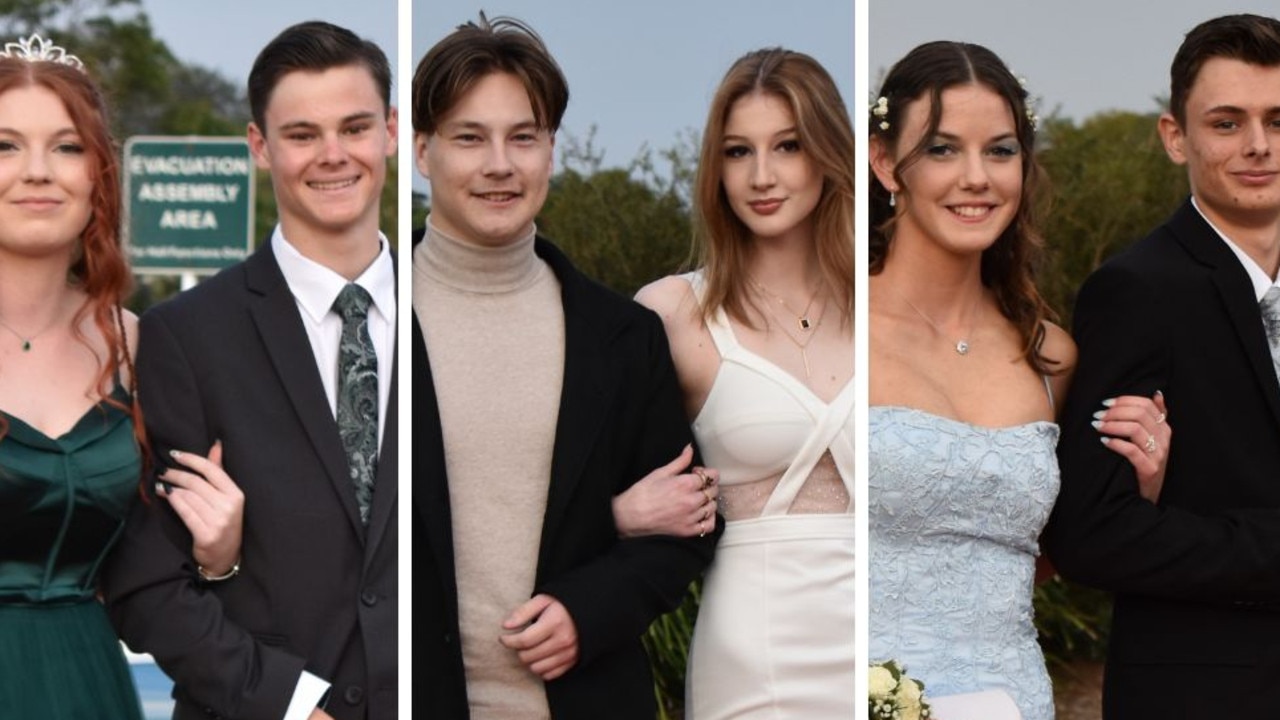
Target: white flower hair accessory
[
  {"x": 38, "y": 49},
  {"x": 1030, "y": 105},
  {"x": 881, "y": 110}
]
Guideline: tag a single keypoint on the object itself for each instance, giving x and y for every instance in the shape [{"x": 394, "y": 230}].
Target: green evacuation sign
[{"x": 189, "y": 203}]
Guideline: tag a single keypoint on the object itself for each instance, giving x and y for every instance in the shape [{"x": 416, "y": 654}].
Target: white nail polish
[
  {"x": 1098, "y": 415},
  {"x": 1108, "y": 402},
  {"x": 1096, "y": 424}
]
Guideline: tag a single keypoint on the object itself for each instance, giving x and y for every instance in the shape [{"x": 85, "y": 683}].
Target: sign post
[{"x": 189, "y": 204}]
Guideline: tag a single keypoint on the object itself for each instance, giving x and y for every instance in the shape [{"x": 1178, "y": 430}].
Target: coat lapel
[
  {"x": 585, "y": 395},
  {"x": 431, "y": 487},
  {"x": 1237, "y": 295},
  {"x": 282, "y": 334}
]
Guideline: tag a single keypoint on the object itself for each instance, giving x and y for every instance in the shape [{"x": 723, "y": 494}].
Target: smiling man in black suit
[
  {"x": 289, "y": 359},
  {"x": 1188, "y": 310}
]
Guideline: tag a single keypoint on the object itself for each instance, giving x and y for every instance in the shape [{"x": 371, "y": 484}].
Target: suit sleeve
[
  {"x": 614, "y": 599},
  {"x": 150, "y": 583},
  {"x": 1102, "y": 532}
]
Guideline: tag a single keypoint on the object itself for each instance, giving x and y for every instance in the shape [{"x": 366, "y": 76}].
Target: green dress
[{"x": 63, "y": 502}]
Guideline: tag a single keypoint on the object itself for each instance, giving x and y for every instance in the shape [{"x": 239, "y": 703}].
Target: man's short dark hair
[
  {"x": 474, "y": 51},
  {"x": 1252, "y": 39},
  {"x": 313, "y": 46}
]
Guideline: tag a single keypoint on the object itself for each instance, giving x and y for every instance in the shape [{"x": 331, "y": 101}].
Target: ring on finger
[
  {"x": 707, "y": 494},
  {"x": 702, "y": 474},
  {"x": 1161, "y": 418},
  {"x": 702, "y": 531},
  {"x": 1150, "y": 445}
]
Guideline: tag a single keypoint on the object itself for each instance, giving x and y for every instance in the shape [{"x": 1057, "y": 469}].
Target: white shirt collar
[
  {"x": 1262, "y": 282},
  {"x": 316, "y": 286}
]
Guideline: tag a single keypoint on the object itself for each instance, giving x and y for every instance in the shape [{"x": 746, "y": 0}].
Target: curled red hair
[{"x": 100, "y": 267}]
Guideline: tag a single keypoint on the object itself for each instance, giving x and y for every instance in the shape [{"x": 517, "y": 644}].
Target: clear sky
[
  {"x": 226, "y": 35},
  {"x": 645, "y": 71},
  {"x": 1080, "y": 56}
]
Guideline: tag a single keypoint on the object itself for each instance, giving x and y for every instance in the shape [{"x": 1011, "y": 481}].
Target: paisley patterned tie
[
  {"x": 358, "y": 393},
  {"x": 1270, "y": 307}
]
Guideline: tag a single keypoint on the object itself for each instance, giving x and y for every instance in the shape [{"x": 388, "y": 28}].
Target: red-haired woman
[{"x": 70, "y": 430}]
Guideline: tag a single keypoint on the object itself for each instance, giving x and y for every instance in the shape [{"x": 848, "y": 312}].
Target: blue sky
[{"x": 643, "y": 72}]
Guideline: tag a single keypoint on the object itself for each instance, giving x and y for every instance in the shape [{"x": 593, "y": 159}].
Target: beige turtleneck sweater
[{"x": 494, "y": 326}]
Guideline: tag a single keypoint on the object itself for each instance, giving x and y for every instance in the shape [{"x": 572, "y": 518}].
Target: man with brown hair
[
  {"x": 1189, "y": 311},
  {"x": 538, "y": 397},
  {"x": 288, "y": 359}
]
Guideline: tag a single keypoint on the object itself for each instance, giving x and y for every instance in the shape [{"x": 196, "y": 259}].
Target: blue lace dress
[{"x": 955, "y": 513}]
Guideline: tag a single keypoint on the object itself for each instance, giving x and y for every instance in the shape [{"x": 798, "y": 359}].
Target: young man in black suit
[
  {"x": 288, "y": 359},
  {"x": 1196, "y": 629},
  {"x": 538, "y": 396}
]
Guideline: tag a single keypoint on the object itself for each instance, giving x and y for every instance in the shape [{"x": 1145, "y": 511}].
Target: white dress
[{"x": 774, "y": 636}]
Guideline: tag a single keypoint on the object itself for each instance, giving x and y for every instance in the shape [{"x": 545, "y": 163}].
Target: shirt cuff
[{"x": 306, "y": 696}]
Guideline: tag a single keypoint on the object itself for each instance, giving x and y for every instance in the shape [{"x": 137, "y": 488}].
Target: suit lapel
[
  {"x": 584, "y": 396},
  {"x": 386, "y": 484},
  {"x": 1237, "y": 295},
  {"x": 276, "y": 317}
]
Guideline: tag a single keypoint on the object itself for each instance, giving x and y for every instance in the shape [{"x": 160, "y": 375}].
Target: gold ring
[
  {"x": 707, "y": 494},
  {"x": 1150, "y": 446},
  {"x": 706, "y": 479}
]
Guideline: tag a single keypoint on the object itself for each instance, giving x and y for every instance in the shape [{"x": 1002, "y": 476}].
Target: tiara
[{"x": 37, "y": 49}]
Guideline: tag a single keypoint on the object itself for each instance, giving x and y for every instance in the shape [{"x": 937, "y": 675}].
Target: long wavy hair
[
  {"x": 1009, "y": 266},
  {"x": 722, "y": 242},
  {"x": 99, "y": 267}
]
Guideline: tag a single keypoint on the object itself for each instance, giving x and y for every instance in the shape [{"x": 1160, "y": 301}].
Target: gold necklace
[
  {"x": 805, "y": 326},
  {"x": 802, "y": 318},
  {"x": 962, "y": 345}
]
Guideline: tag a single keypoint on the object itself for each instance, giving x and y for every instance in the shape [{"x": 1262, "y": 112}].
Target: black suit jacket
[
  {"x": 620, "y": 417},
  {"x": 230, "y": 360},
  {"x": 1197, "y": 577}
]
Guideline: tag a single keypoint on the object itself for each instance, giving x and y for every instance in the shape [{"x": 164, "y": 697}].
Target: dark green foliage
[
  {"x": 1112, "y": 184},
  {"x": 668, "y": 643},
  {"x": 1072, "y": 621},
  {"x": 625, "y": 227}
]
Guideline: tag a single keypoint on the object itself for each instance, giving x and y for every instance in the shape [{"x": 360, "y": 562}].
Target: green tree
[
  {"x": 149, "y": 90},
  {"x": 1112, "y": 184},
  {"x": 623, "y": 226}
]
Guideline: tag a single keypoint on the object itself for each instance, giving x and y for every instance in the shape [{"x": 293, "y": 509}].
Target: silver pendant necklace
[{"x": 962, "y": 345}]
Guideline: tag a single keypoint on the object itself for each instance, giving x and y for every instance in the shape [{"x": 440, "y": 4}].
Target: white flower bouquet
[{"x": 895, "y": 696}]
